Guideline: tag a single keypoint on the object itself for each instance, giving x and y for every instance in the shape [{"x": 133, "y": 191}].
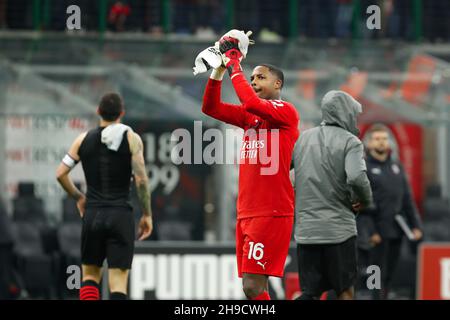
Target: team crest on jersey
[
  {"x": 395, "y": 169},
  {"x": 376, "y": 170}
]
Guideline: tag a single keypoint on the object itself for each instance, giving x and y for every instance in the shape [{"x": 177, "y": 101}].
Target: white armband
[{"x": 69, "y": 161}]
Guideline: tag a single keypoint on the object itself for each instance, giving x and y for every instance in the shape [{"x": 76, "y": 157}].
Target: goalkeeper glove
[
  {"x": 234, "y": 46},
  {"x": 207, "y": 59},
  {"x": 243, "y": 40},
  {"x": 231, "y": 56}
]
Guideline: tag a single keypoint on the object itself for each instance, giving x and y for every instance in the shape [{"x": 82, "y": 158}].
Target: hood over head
[{"x": 340, "y": 109}]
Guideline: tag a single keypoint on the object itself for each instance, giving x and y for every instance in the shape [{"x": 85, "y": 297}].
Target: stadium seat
[
  {"x": 69, "y": 241},
  {"x": 9, "y": 283},
  {"x": 436, "y": 216},
  {"x": 34, "y": 265},
  {"x": 27, "y": 207}
]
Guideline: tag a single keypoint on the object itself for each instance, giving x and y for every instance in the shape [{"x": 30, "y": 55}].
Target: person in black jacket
[{"x": 379, "y": 232}]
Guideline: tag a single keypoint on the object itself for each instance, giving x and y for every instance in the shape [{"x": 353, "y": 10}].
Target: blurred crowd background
[
  {"x": 51, "y": 80},
  {"x": 272, "y": 20}
]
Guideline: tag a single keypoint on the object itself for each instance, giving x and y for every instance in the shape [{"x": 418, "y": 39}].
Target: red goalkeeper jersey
[{"x": 270, "y": 132}]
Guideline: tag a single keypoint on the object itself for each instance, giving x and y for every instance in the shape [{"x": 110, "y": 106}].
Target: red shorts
[{"x": 262, "y": 244}]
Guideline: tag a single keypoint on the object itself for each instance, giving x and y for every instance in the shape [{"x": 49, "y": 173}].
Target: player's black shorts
[
  {"x": 323, "y": 267},
  {"x": 108, "y": 233}
]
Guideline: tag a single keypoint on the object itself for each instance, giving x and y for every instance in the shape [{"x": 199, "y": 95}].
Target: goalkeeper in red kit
[{"x": 265, "y": 205}]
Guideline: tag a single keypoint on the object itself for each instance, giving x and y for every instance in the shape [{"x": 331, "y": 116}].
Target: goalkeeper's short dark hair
[
  {"x": 276, "y": 71},
  {"x": 110, "y": 107}
]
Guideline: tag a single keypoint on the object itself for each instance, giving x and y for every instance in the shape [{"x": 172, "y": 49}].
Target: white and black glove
[
  {"x": 210, "y": 58},
  {"x": 234, "y": 47},
  {"x": 241, "y": 38},
  {"x": 228, "y": 52}
]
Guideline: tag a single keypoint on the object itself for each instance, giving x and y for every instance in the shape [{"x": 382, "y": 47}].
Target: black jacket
[{"x": 391, "y": 195}]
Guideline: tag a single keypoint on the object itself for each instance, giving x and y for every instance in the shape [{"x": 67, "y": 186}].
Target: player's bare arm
[
  {"x": 142, "y": 184},
  {"x": 140, "y": 173},
  {"x": 62, "y": 173}
]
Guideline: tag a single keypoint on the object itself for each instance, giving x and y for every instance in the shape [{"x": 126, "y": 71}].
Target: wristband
[{"x": 217, "y": 74}]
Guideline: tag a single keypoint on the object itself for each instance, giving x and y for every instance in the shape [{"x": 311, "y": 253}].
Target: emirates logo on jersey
[
  {"x": 254, "y": 144},
  {"x": 261, "y": 147},
  {"x": 250, "y": 148}
]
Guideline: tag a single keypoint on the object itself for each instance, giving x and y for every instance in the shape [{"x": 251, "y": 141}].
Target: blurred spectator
[
  {"x": 208, "y": 17},
  {"x": 246, "y": 17},
  {"x": 19, "y": 14},
  {"x": 184, "y": 16},
  {"x": 58, "y": 16},
  {"x": 317, "y": 18},
  {"x": 3, "y": 4},
  {"x": 200, "y": 17},
  {"x": 118, "y": 15},
  {"x": 436, "y": 20},
  {"x": 326, "y": 18},
  {"x": 400, "y": 22},
  {"x": 152, "y": 15},
  {"x": 392, "y": 197},
  {"x": 271, "y": 17},
  {"x": 387, "y": 9},
  {"x": 344, "y": 18}
]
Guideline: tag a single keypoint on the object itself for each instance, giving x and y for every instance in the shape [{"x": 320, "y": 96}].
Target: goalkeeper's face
[{"x": 265, "y": 83}]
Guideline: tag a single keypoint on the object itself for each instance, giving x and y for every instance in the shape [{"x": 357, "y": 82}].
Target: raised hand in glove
[{"x": 234, "y": 46}]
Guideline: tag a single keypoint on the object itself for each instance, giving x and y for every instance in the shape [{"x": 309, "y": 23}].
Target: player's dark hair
[
  {"x": 275, "y": 71},
  {"x": 110, "y": 107},
  {"x": 377, "y": 128}
]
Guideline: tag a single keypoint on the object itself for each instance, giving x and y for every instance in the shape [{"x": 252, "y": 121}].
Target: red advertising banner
[{"x": 433, "y": 272}]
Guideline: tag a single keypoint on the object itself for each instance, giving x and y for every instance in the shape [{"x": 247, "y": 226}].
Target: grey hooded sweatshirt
[{"x": 330, "y": 174}]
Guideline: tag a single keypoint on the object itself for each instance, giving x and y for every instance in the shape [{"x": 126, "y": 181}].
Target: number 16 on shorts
[{"x": 256, "y": 251}]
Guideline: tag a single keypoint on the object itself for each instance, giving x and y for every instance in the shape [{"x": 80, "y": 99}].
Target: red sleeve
[
  {"x": 212, "y": 106},
  {"x": 275, "y": 111}
]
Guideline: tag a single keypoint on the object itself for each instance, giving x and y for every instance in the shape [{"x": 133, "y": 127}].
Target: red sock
[
  {"x": 89, "y": 291},
  {"x": 262, "y": 296}
]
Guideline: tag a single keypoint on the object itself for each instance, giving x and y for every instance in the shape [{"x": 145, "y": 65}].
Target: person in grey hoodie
[{"x": 331, "y": 186}]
